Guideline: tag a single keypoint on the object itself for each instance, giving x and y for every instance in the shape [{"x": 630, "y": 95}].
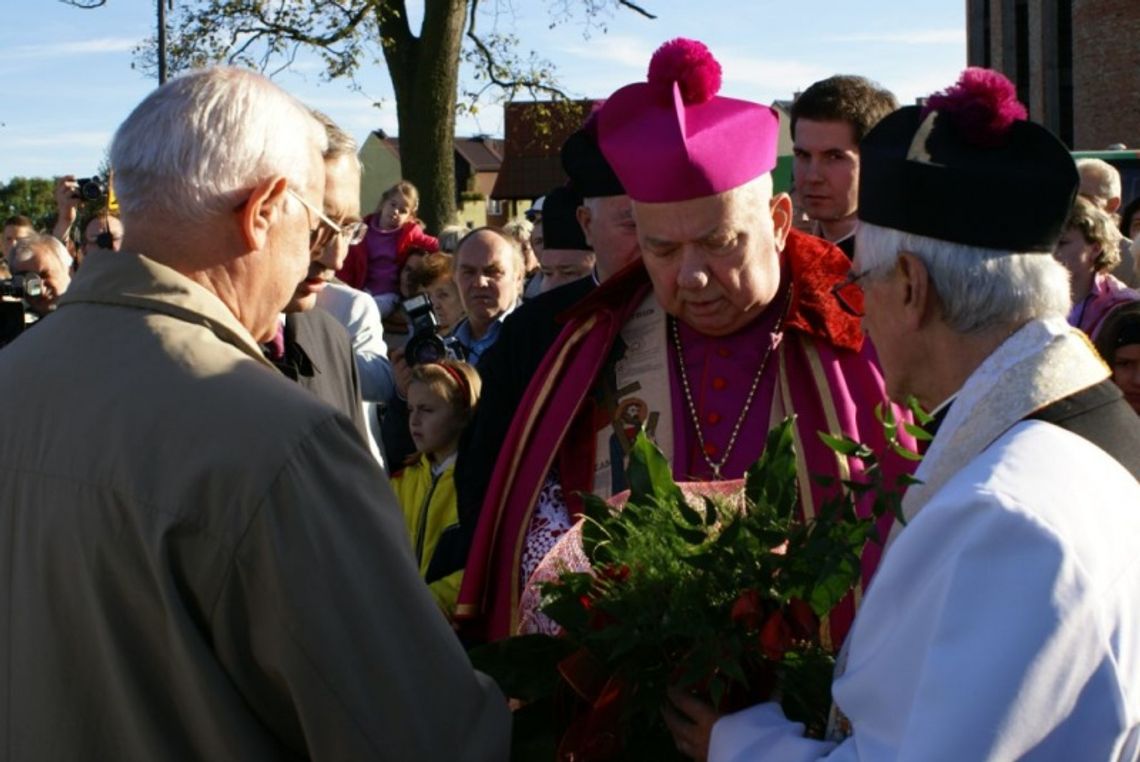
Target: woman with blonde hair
[{"x": 1090, "y": 249}]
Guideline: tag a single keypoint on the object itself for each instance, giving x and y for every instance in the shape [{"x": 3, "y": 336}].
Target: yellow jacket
[{"x": 431, "y": 515}]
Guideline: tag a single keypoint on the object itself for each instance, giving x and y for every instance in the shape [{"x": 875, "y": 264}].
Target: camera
[
  {"x": 21, "y": 285},
  {"x": 13, "y": 316},
  {"x": 425, "y": 345},
  {"x": 91, "y": 188}
]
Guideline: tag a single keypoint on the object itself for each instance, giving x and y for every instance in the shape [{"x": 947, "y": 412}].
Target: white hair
[
  {"x": 194, "y": 146},
  {"x": 978, "y": 288},
  {"x": 1099, "y": 178},
  {"x": 27, "y": 248}
]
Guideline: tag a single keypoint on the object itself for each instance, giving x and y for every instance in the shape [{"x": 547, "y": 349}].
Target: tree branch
[
  {"x": 635, "y": 8},
  {"x": 500, "y": 74}
]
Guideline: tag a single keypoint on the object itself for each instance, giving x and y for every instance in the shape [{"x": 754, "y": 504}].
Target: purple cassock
[{"x": 818, "y": 371}]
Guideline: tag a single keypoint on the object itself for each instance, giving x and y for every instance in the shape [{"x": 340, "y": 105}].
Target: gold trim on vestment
[
  {"x": 548, "y": 383},
  {"x": 834, "y": 428}
]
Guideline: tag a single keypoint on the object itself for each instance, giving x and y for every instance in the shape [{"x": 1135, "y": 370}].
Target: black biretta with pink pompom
[{"x": 968, "y": 168}]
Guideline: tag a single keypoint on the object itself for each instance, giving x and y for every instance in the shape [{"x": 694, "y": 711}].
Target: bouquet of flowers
[{"x": 719, "y": 599}]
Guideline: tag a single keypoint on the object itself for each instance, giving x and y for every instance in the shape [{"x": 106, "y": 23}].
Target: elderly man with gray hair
[
  {"x": 201, "y": 559},
  {"x": 46, "y": 257},
  {"x": 1002, "y": 621}
]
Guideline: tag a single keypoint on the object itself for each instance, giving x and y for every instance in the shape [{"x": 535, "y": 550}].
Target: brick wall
[{"x": 1106, "y": 73}]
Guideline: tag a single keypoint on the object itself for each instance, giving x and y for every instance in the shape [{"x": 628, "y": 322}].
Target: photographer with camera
[
  {"x": 104, "y": 231},
  {"x": 45, "y": 257},
  {"x": 489, "y": 273}
]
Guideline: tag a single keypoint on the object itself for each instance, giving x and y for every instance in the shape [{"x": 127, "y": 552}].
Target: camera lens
[
  {"x": 91, "y": 190},
  {"x": 424, "y": 348}
]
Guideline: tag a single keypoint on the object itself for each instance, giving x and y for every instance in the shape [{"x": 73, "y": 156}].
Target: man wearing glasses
[
  {"x": 310, "y": 346},
  {"x": 199, "y": 559},
  {"x": 1002, "y": 622}
]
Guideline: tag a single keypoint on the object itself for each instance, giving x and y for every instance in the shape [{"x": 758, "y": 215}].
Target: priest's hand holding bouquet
[{"x": 710, "y": 596}]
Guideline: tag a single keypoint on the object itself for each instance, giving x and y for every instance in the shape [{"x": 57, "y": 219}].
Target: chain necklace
[{"x": 776, "y": 336}]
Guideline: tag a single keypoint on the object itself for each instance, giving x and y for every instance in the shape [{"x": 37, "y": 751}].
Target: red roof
[{"x": 535, "y": 132}]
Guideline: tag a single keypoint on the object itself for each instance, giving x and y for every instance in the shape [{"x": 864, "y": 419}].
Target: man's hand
[
  {"x": 401, "y": 371},
  {"x": 67, "y": 202},
  {"x": 690, "y": 720}
]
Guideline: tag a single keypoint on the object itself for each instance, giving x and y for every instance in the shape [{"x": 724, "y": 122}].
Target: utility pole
[{"x": 162, "y": 40}]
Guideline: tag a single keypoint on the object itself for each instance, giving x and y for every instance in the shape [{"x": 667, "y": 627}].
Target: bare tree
[{"x": 423, "y": 67}]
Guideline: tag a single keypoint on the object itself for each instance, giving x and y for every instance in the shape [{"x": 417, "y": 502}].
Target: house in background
[
  {"x": 535, "y": 132},
  {"x": 477, "y": 161},
  {"x": 496, "y": 180}
]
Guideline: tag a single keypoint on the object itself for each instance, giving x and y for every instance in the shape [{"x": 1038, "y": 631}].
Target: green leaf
[
  {"x": 525, "y": 667},
  {"x": 917, "y": 432},
  {"x": 688, "y": 514},
  {"x": 907, "y": 480},
  {"x": 772, "y": 477},
  {"x": 918, "y": 411},
  {"x": 904, "y": 452},
  {"x": 690, "y": 535},
  {"x": 885, "y": 414},
  {"x": 567, "y": 612},
  {"x": 844, "y": 445},
  {"x": 728, "y": 537},
  {"x": 716, "y": 690},
  {"x": 710, "y": 510},
  {"x": 702, "y": 561},
  {"x": 649, "y": 474}
]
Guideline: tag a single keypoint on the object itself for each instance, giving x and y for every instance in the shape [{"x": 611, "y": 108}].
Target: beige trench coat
[{"x": 198, "y": 559}]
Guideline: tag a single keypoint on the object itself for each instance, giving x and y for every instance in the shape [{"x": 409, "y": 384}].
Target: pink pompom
[
  {"x": 688, "y": 63},
  {"x": 983, "y": 106}
]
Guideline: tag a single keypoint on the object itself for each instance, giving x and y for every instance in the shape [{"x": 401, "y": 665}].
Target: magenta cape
[{"x": 826, "y": 377}]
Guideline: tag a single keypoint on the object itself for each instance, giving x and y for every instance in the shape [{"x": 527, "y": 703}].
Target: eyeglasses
[
  {"x": 326, "y": 230},
  {"x": 849, "y": 294}
]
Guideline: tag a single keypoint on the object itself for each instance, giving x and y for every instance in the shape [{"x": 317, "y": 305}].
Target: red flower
[
  {"x": 802, "y": 620},
  {"x": 614, "y": 573},
  {"x": 775, "y": 636},
  {"x": 791, "y": 624},
  {"x": 747, "y": 609}
]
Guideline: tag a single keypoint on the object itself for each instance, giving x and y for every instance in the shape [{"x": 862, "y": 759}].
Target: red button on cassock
[
  {"x": 711, "y": 449},
  {"x": 719, "y": 384},
  {"x": 713, "y": 418},
  {"x": 724, "y": 352}
]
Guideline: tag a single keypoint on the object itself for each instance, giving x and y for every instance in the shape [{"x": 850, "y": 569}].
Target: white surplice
[{"x": 1004, "y": 620}]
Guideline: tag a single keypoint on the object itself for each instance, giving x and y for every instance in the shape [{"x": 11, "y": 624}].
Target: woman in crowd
[
  {"x": 441, "y": 401},
  {"x": 1119, "y": 345},
  {"x": 1090, "y": 249},
  {"x": 524, "y": 231},
  {"x": 435, "y": 277}
]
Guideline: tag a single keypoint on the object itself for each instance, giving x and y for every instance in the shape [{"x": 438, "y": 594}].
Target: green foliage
[
  {"x": 524, "y": 666},
  {"x": 708, "y": 595},
  {"x": 33, "y": 197},
  {"x": 722, "y": 598}
]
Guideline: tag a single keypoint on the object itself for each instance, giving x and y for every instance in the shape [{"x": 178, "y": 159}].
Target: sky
[{"x": 70, "y": 80}]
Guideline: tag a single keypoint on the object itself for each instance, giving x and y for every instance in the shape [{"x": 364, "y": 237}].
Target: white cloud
[
  {"x": 632, "y": 52},
  {"x": 777, "y": 78},
  {"x": 89, "y": 139},
  {"x": 912, "y": 37},
  {"x": 69, "y": 49}
]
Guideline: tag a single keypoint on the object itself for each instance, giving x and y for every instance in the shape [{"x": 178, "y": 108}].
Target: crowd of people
[{"x": 276, "y": 463}]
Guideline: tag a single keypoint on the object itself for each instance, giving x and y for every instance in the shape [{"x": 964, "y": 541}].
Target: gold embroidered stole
[{"x": 633, "y": 392}]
